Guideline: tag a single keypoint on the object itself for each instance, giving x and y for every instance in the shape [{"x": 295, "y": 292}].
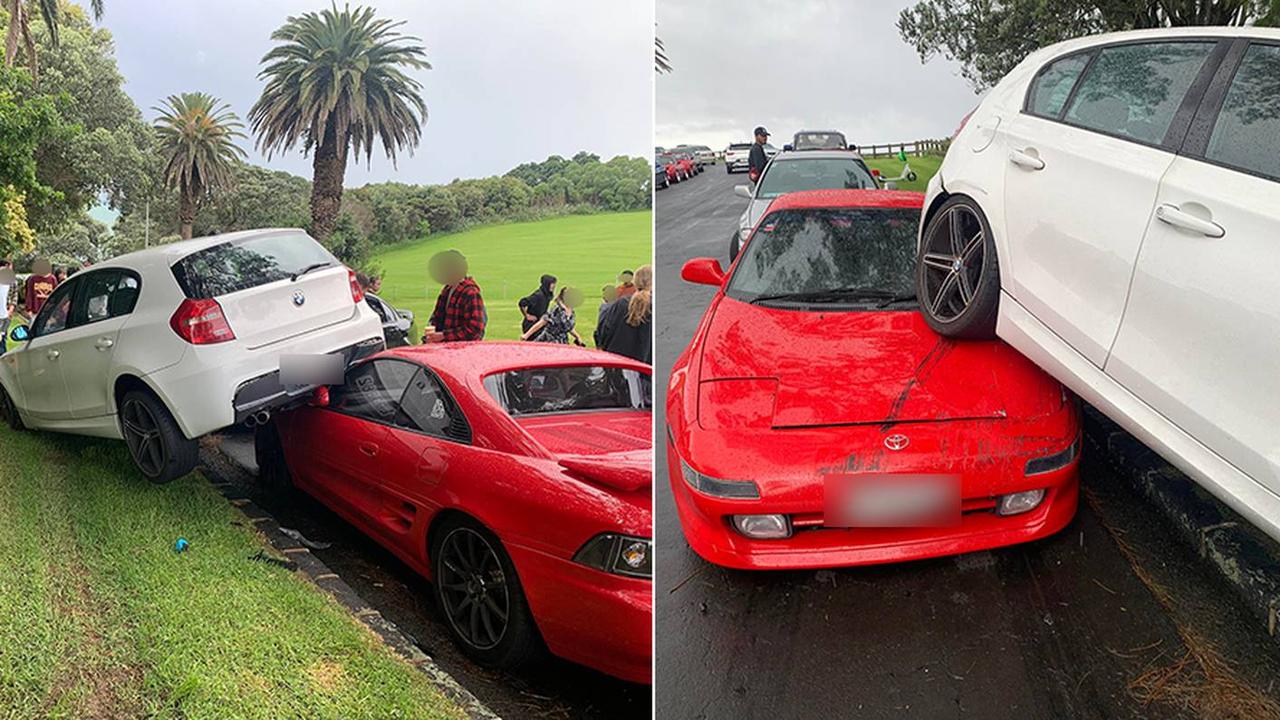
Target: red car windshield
[
  {"x": 830, "y": 256},
  {"x": 536, "y": 391}
]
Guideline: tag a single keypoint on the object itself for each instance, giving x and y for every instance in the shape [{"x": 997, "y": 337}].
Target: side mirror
[
  {"x": 853, "y": 147},
  {"x": 320, "y": 397},
  {"x": 20, "y": 334},
  {"x": 788, "y": 147},
  {"x": 743, "y": 191},
  {"x": 703, "y": 271}
]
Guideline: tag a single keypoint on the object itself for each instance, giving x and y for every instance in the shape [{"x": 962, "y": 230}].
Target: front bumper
[
  {"x": 590, "y": 617},
  {"x": 708, "y": 529}
]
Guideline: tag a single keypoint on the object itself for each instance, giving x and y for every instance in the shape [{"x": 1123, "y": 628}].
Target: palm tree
[
  {"x": 197, "y": 139},
  {"x": 20, "y": 29},
  {"x": 336, "y": 82}
]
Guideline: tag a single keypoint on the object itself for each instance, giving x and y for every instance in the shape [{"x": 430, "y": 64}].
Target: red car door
[
  {"x": 340, "y": 452},
  {"x": 428, "y": 436}
]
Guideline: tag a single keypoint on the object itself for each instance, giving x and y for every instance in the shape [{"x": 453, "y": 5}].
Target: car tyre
[
  {"x": 465, "y": 589},
  {"x": 273, "y": 470},
  {"x": 159, "y": 449},
  {"x": 957, "y": 272},
  {"x": 9, "y": 411}
]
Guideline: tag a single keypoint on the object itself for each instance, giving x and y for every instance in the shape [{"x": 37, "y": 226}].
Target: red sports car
[
  {"x": 515, "y": 476},
  {"x": 815, "y": 420}
]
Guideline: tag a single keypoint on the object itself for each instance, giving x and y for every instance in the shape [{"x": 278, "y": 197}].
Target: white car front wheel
[{"x": 957, "y": 275}]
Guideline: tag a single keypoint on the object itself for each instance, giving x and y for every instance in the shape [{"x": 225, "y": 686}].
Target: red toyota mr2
[
  {"x": 515, "y": 476},
  {"x": 815, "y": 420}
]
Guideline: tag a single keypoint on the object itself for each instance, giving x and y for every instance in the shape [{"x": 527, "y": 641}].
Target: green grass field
[
  {"x": 925, "y": 168},
  {"x": 583, "y": 251},
  {"x": 100, "y": 618}
]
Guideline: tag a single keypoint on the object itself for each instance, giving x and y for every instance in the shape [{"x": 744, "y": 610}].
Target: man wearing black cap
[{"x": 757, "y": 159}]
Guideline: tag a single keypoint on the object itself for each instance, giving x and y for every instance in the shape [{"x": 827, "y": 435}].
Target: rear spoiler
[{"x": 627, "y": 472}]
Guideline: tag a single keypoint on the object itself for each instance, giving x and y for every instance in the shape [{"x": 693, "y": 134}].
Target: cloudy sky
[
  {"x": 512, "y": 80},
  {"x": 793, "y": 64}
]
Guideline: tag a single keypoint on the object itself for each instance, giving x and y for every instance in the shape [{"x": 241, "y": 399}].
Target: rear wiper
[
  {"x": 309, "y": 268},
  {"x": 831, "y": 295}
]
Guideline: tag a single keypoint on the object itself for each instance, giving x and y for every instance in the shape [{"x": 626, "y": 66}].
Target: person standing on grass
[
  {"x": 757, "y": 158},
  {"x": 40, "y": 285},
  {"x": 534, "y": 305},
  {"x": 460, "y": 314},
  {"x": 626, "y": 283},
  {"x": 6, "y": 307},
  {"x": 557, "y": 324},
  {"x": 628, "y": 323},
  {"x": 608, "y": 294}
]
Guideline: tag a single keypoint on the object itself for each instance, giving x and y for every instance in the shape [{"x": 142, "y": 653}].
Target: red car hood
[
  {"x": 607, "y": 447},
  {"x": 803, "y": 368}
]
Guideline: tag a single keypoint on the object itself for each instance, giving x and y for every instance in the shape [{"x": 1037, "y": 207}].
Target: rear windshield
[
  {"x": 814, "y": 174},
  {"x": 536, "y": 391},
  {"x": 819, "y": 141},
  {"x": 244, "y": 264}
]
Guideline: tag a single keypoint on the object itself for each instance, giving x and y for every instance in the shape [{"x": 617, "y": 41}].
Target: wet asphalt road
[
  {"x": 550, "y": 689},
  {"x": 1069, "y": 627}
]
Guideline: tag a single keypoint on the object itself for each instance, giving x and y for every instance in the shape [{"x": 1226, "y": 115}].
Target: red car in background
[
  {"x": 815, "y": 420},
  {"x": 514, "y": 476},
  {"x": 680, "y": 166}
]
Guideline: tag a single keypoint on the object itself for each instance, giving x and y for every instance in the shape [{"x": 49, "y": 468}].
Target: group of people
[
  {"x": 26, "y": 300},
  {"x": 624, "y": 323}
]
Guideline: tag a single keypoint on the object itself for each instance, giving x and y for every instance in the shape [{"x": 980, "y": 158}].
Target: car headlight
[
  {"x": 1056, "y": 461},
  {"x": 715, "y": 487},
  {"x": 618, "y": 555}
]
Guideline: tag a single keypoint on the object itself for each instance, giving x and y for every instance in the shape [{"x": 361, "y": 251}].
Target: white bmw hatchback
[
  {"x": 162, "y": 346},
  {"x": 1112, "y": 210}
]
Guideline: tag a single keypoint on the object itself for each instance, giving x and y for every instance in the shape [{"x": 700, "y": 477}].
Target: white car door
[
  {"x": 39, "y": 362},
  {"x": 100, "y": 309},
  {"x": 1201, "y": 333},
  {"x": 1085, "y": 159}
]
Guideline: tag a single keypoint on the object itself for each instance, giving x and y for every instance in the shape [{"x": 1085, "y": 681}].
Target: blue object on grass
[{"x": 181, "y": 545}]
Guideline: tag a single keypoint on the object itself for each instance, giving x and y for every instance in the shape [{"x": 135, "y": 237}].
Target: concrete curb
[
  {"x": 1247, "y": 559},
  {"x": 304, "y": 561}
]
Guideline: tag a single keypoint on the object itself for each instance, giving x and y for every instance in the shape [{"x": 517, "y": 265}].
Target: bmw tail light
[
  {"x": 618, "y": 554},
  {"x": 201, "y": 322},
  {"x": 357, "y": 292}
]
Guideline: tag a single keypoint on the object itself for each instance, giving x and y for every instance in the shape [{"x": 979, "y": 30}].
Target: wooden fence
[{"x": 917, "y": 148}]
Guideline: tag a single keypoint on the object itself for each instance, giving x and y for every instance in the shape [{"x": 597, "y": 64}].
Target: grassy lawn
[
  {"x": 100, "y": 618},
  {"x": 925, "y": 168},
  {"x": 584, "y": 251}
]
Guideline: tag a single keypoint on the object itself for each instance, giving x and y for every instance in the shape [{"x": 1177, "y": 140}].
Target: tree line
[{"x": 337, "y": 83}]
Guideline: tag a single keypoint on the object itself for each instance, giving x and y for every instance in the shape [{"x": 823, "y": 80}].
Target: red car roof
[
  {"x": 477, "y": 359},
  {"x": 811, "y": 199}
]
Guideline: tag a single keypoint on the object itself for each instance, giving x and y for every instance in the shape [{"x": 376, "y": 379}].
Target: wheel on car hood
[{"x": 957, "y": 274}]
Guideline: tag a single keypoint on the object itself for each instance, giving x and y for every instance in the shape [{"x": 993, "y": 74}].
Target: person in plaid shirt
[{"x": 460, "y": 314}]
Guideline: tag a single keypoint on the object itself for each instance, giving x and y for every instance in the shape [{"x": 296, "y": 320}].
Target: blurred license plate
[{"x": 892, "y": 500}]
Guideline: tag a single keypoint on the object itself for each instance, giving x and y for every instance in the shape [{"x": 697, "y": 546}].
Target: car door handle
[
  {"x": 369, "y": 449},
  {"x": 53, "y": 354},
  {"x": 1177, "y": 217},
  {"x": 104, "y": 343},
  {"x": 1024, "y": 159}
]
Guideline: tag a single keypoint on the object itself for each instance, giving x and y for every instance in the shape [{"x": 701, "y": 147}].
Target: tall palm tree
[
  {"x": 197, "y": 139},
  {"x": 336, "y": 82},
  {"x": 20, "y": 29}
]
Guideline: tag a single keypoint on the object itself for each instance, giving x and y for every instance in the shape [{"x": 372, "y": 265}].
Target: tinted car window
[
  {"x": 1053, "y": 85},
  {"x": 1247, "y": 133},
  {"x": 426, "y": 407},
  {"x": 824, "y": 255},
  {"x": 814, "y": 174},
  {"x": 535, "y": 391},
  {"x": 818, "y": 141},
  {"x": 244, "y": 264},
  {"x": 94, "y": 301},
  {"x": 56, "y": 313},
  {"x": 373, "y": 390},
  {"x": 1134, "y": 90},
  {"x": 125, "y": 296}
]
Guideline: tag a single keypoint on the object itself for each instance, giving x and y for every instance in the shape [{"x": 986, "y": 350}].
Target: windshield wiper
[
  {"x": 309, "y": 268},
  {"x": 831, "y": 295},
  {"x": 895, "y": 300}
]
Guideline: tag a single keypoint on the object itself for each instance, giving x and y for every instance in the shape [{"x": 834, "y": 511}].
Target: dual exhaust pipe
[{"x": 262, "y": 417}]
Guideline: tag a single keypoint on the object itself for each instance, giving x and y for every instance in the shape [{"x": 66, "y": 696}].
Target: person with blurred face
[
  {"x": 557, "y": 325},
  {"x": 626, "y": 283},
  {"x": 459, "y": 314},
  {"x": 40, "y": 285},
  {"x": 628, "y": 323},
  {"x": 608, "y": 294}
]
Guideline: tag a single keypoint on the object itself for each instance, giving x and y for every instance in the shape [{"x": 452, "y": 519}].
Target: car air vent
[{"x": 458, "y": 428}]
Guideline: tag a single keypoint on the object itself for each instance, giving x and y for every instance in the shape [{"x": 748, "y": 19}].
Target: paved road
[
  {"x": 551, "y": 690},
  {"x": 1063, "y": 628}
]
